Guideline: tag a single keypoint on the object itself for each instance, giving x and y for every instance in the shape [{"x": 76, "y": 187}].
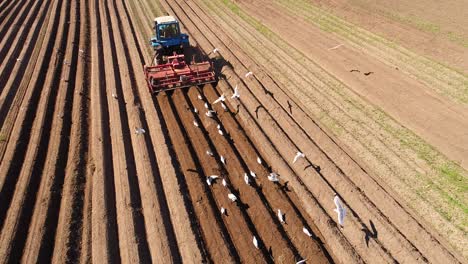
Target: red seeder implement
[{"x": 177, "y": 74}]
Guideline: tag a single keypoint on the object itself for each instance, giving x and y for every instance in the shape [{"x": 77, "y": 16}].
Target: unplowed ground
[{"x": 78, "y": 184}]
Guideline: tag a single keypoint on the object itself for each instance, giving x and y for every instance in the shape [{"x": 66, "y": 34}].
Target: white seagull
[
  {"x": 139, "y": 131},
  {"x": 259, "y": 160},
  {"x": 221, "y": 98},
  {"x": 195, "y": 110},
  {"x": 224, "y": 182},
  {"x": 200, "y": 97},
  {"x": 220, "y": 132},
  {"x": 211, "y": 179},
  {"x": 18, "y": 59},
  {"x": 306, "y": 231},
  {"x": 206, "y": 105},
  {"x": 273, "y": 177},
  {"x": 210, "y": 113},
  {"x": 236, "y": 94},
  {"x": 253, "y": 174},
  {"x": 223, "y": 160},
  {"x": 218, "y": 126},
  {"x": 223, "y": 211},
  {"x": 248, "y": 74},
  {"x": 215, "y": 50},
  {"x": 224, "y": 106},
  {"x": 340, "y": 210},
  {"x": 195, "y": 123},
  {"x": 246, "y": 179},
  {"x": 209, "y": 153},
  {"x": 114, "y": 95},
  {"x": 298, "y": 155},
  {"x": 232, "y": 197},
  {"x": 301, "y": 261},
  {"x": 255, "y": 242},
  {"x": 281, "y": 216}
]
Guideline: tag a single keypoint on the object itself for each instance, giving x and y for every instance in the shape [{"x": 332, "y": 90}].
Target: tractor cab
[{"x": 168, "y": 37}]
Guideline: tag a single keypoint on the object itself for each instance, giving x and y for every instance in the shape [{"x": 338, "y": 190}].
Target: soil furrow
[
  {"x": 33, "y": 161},
  {"x": 103, "y": 218},
  {"x": 8, "y": 115},
  {"x": 302, "y": 139}
]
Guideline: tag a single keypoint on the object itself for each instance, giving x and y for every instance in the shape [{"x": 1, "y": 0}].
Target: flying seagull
[
  {"x": 255, "y": 242},
  {"x": 195, "y": 123},
  {"x": 214, "y": 51},
  {"x": 298, "y": 155},
  {"x": 259, "y": 160},
  {"x": 306, "y": 231},
  {"x": 281, "y": 216},
  {"x": 248, "y": 74},
  {"x": 139, "y": 131},
  {"x": 221, "y": 98},
  {"x": 273, "y": 177},
  {"x": 340, "y": 210},
  {"x": 253, "y": 174},
  {"x": 232, "y": 197},
  {"x": 211, "y": 179},
  {"x": 246, "y": 179},
  {"x": 236, "y": 94}
]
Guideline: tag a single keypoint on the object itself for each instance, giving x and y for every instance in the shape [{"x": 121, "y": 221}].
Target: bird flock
[{"x": 249, "y": 176}]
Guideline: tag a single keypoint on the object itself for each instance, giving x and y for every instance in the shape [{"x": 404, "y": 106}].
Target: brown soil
[{"x": 77, "y": 184}]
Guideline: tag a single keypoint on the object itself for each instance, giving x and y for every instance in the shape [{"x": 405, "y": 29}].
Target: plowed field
[{"x": 79, "y": 184}]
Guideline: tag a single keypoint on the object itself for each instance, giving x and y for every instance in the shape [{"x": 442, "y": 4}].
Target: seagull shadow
[
  {"x": 316, "y": 168},
  {"x": 256, "y": 110},
  {"x": 268, "y": 92},
  {"x": 285, "y": 187},
  {"x": 368, "y": 234}
]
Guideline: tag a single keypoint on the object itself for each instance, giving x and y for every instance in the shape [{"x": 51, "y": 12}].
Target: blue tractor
[{"x": 168, "y": 38}]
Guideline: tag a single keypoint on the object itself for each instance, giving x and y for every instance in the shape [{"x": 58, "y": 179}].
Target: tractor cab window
[{"x": 167, "y": 31}]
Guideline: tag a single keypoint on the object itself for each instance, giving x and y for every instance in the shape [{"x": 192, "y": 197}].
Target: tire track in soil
[{"x": 31, "y": 173}]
